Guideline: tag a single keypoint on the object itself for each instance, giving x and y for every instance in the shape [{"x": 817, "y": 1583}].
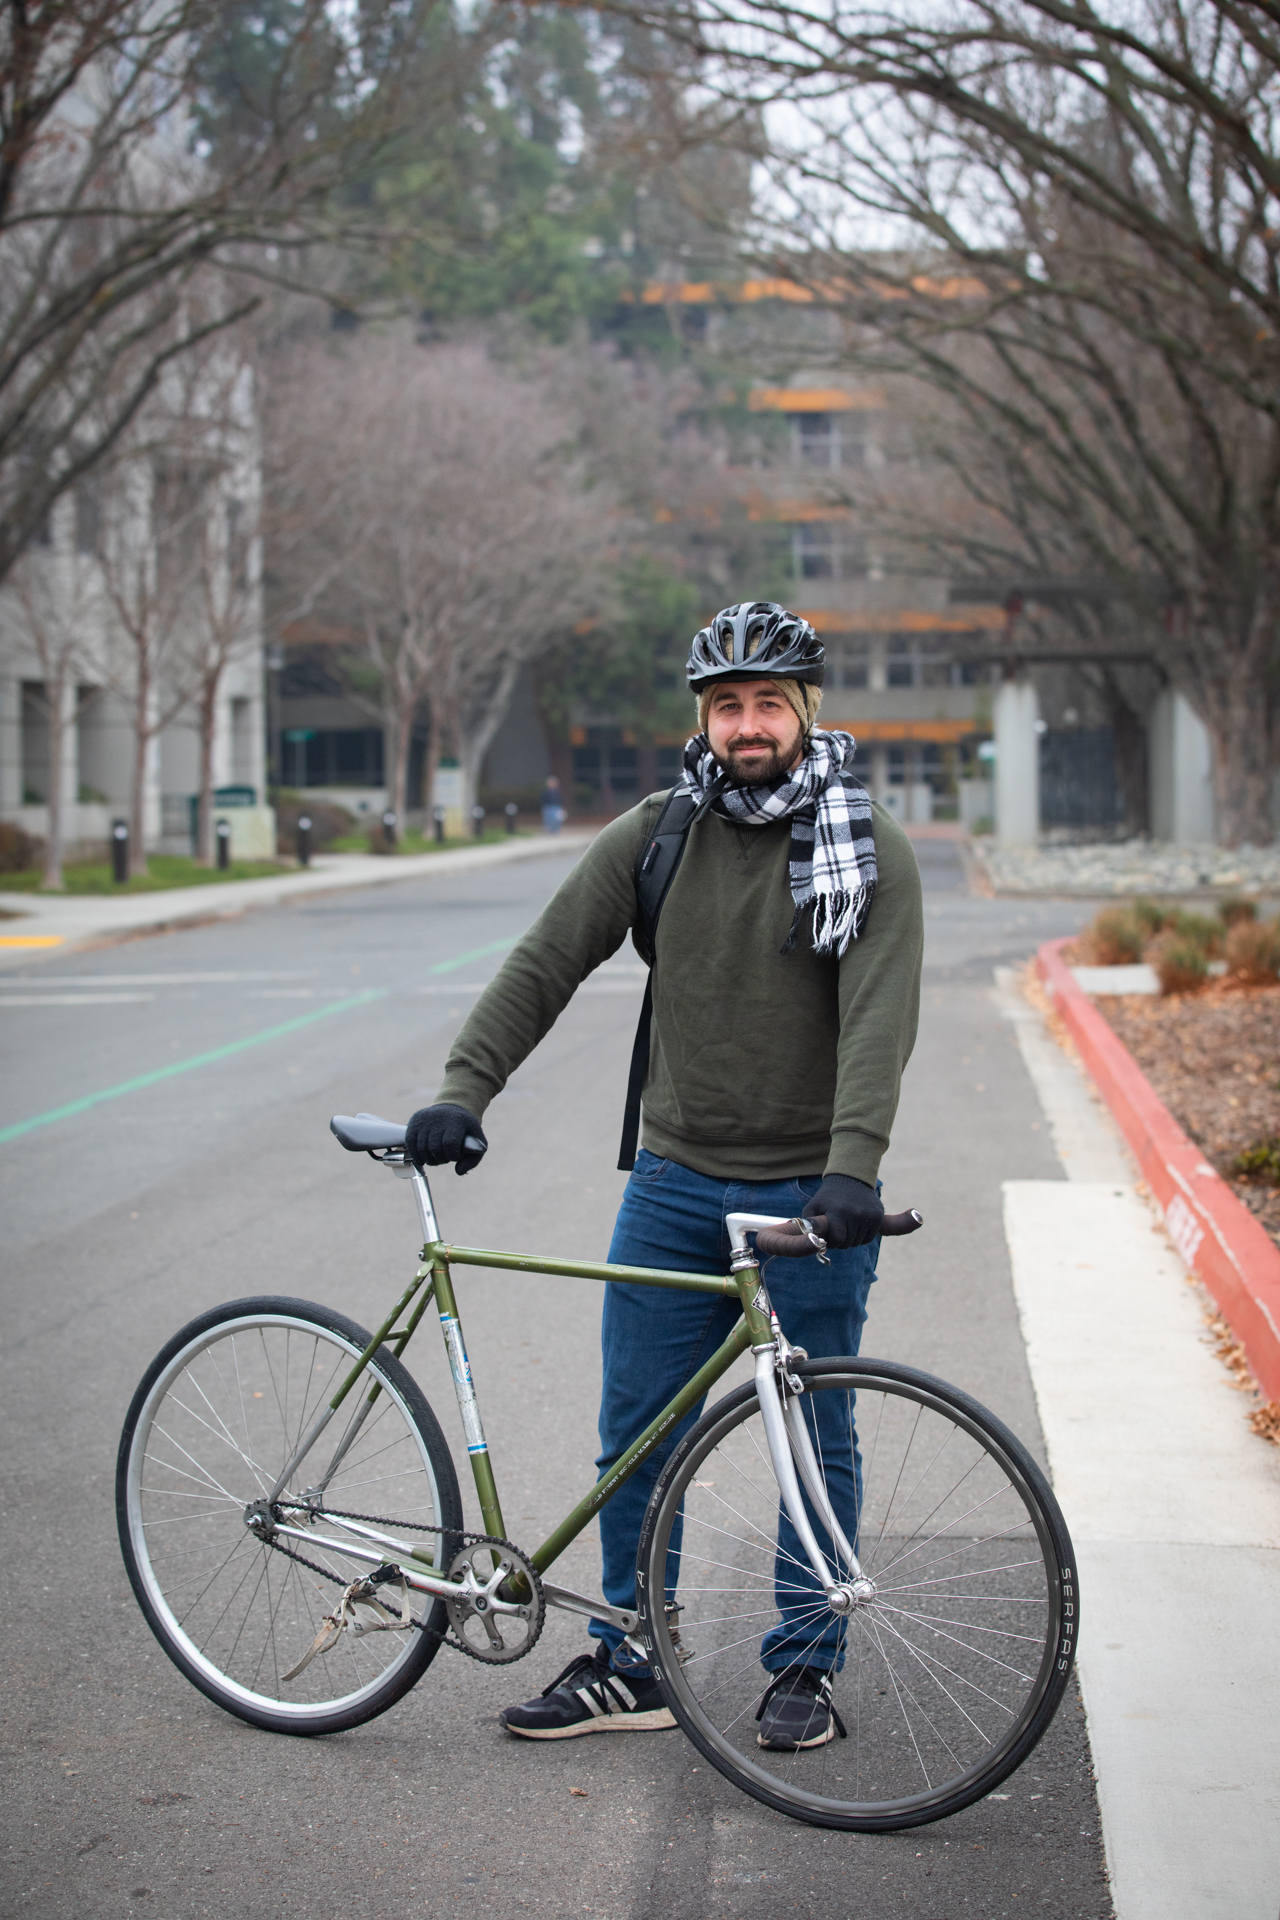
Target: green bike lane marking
[
  {"x": 141, "y": 1080},
  {"x": 476, "y": 953}
]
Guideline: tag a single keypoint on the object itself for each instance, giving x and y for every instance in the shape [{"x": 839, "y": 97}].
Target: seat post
[{"x": 426, "y": 1210}]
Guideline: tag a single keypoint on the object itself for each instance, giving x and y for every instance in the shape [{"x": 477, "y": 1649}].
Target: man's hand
[
  {"x": 852, "y": 1208},
  {"x": 436, "y": 1134}
]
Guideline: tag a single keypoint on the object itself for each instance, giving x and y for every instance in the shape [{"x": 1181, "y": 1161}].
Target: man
[
  {"x": 552, "y": 806},
  {"x": 786, "y": 983}
]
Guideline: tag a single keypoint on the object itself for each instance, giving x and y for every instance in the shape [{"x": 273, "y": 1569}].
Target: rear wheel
[
  {"x": 217, "y": 1416},
  {"x": 944, "y": 1678}
]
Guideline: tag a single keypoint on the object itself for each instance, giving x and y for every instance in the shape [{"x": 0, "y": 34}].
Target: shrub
[
  {"x": 1152, "y": 916},
  {"x": 1181, "y": 965},
  {"x": 1236, "y": 909},
  {"x": 19, "y": 851},
  {"x": 1253, "y": 952},
  {"x": 1197, "y": 929},
  {"x": 328, "y": 822},
  {"x": 1115, "y": 938},
  {"x": 1261, "y": 1161}
]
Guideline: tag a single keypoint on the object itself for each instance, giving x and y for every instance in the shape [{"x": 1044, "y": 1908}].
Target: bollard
[
  {"x": 223, "y": 832},
  {"x": 389, "y": 831},
  {"x": 511, "y": 810},
  {"x": 438, "y": 817},
  {"x": 302, "y": 839},
  {"x": 119, "y": 852},
  {"x": 477, "y": 821}
]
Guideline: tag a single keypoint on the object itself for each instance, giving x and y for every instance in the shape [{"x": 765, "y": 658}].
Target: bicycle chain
[{"x": 380, "y": 1575}]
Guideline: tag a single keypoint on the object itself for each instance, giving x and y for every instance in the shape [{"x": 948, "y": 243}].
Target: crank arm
[{"x": 570, "y": 1602}]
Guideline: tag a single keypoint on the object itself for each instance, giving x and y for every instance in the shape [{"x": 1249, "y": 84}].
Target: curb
[
  {"x": 1217, "y": 1237},
  {"x": 65, "y": 922}
]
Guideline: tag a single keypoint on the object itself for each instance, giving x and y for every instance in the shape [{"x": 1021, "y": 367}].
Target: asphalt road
[{"x": 214, "y": 1176}]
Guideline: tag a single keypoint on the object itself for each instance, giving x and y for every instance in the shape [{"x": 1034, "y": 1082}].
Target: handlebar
[{"x": 793, "y": 1243}]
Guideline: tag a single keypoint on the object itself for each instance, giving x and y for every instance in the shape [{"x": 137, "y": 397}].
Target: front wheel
[
  {"x": 219, "y": 1413},
  {"x": 943, "y": 1677}
]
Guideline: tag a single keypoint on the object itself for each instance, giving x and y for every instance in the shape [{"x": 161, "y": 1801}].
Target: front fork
[{"x": 778, "y": 1389}]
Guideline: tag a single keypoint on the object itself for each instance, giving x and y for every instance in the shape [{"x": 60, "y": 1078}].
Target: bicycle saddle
[{"x": 365, "y": 1131}]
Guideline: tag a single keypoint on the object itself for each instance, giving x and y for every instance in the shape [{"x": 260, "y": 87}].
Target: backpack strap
[{"x": 656, "y": 868}]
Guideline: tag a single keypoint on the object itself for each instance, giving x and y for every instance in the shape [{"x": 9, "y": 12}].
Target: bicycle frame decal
[{"x": 463, "y": 1386}]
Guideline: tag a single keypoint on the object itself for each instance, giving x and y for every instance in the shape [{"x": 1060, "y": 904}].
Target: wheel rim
[
  {"x": 943, "y": 1680},
  {"x": 215, "y": 1430}
]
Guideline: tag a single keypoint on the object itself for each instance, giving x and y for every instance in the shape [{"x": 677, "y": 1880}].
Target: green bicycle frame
[{"x": 433, "y": 1280}]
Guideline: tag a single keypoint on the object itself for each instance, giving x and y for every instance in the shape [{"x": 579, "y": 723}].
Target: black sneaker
[
  {"x": 798, "y": 1711},
  {"x": 588, "y": 1697}
]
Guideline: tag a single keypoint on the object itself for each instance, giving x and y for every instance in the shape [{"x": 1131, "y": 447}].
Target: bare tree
[
  {"x": 143, "y": 147},
  {"x": 150, "y": 569},
  {"x": 58, "y": 593},
  {"x": 1064, "y": 222},
  {"x": 469, "y": 542}
]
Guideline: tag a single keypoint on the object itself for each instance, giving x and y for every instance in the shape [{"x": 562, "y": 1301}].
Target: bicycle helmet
[{"x": 757, "y": 638}]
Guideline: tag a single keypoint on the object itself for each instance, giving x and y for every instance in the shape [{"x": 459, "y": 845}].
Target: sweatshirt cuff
[
  {"x": 465, "y": 1090},
  {"x": 855, "y": 1154}
]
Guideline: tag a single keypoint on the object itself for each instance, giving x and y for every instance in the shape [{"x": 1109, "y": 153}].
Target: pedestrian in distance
[
  {"x": 784, "y": 986},
  {"x": 552, "y": 806}
]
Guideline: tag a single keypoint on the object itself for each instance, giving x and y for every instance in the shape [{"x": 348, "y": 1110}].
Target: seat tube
[{"x": 468, "y": 1406}]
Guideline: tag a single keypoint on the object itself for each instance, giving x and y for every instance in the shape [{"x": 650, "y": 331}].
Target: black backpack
[{"x": 656, "y": 868}]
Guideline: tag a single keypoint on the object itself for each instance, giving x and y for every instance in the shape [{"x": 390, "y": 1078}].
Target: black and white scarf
[{"x": 833, "y": 854}]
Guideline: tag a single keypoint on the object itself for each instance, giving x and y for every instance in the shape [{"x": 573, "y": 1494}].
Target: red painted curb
[{"x": 1217, "y": 1237}]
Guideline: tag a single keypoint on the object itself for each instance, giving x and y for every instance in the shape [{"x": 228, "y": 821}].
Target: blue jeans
[{"x": 655, "y": 1338}]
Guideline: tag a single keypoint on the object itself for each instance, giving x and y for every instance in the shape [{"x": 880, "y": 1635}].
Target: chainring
[{"x": 485, "y": 1625}]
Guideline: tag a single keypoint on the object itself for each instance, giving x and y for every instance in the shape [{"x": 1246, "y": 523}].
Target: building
[{"x": 160, "y": 558}]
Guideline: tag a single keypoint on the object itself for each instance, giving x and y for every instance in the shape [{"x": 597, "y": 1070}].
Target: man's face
[{"x": 754, "y": 731}]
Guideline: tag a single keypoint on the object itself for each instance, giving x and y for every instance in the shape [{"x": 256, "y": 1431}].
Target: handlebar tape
[{"x": 792, "y": 1243}]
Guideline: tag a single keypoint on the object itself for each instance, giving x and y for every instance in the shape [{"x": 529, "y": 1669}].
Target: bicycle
[{"x": 276, "y": 1456}]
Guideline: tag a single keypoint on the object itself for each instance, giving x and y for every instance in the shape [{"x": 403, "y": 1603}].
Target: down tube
[{"x": 639, "y": 1450}]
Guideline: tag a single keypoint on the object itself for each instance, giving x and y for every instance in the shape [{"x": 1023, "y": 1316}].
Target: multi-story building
[{"x": 173, "y": 541}]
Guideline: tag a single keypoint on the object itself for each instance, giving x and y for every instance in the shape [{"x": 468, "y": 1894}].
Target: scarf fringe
[{"x": 838, "y": 918}]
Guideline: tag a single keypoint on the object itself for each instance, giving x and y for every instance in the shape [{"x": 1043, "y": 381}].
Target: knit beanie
[{"x": 805, "y": 699}]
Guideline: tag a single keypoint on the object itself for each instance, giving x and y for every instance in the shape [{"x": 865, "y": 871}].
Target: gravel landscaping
[
  {"x": 1214, "y": 1059},
  {"x": 1131, "y": 866}
]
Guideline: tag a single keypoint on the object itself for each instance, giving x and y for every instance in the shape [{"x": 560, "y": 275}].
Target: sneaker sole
[
  {"x": 796, "y": 1746},
  {"x": 657, "y": 1720}
]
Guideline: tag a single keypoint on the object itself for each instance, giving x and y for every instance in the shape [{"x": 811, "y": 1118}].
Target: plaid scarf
[{"x": 833, "y": 854}]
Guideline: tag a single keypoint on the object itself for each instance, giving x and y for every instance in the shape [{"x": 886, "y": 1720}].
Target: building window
[
  {"x": 901, "y": 664},
  {"x": 332, "y": 756},
  {"x": 854, "y": 663},
  {"x": 88, "y": 517},
  {"x": 828, "y": 550},
  {"x": 816, "y": 438}
]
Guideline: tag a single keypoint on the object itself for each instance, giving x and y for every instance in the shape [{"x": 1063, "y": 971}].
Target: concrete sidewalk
[
  {"x": 1174, "y": 1509},
  {"x": 62, "y": 922}
]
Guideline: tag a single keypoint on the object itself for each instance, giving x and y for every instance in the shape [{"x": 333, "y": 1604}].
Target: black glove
[
  {"x": 436, "y": 1134},
  {"x": 852, "y": 1209}
]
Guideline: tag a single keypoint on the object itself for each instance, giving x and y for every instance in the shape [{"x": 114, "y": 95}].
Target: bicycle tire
[
  {"x": 946, "y": 1679},
  {"x": 211, "y": 1425}
]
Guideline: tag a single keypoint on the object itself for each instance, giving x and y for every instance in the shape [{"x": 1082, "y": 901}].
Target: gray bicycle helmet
[{"x": 756, "y": 638}]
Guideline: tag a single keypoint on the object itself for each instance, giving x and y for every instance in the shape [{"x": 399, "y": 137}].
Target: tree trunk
[
  {"x": 1237, "y": 712},
  {"x": 138, "y": 787},
  {"x": 204, "y": 801},
  {"x": 56, "y": 702},
  {"x": 475, "y": 735}
]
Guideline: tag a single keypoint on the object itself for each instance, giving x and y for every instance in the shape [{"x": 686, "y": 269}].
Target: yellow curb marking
[{"x": 31, "y": 939}]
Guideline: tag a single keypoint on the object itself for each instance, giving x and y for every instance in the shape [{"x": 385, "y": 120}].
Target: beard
[{"x": 761, "y": 770}]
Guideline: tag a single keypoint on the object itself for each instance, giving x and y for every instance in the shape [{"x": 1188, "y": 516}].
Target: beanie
[{"x": 804, "y": 698}]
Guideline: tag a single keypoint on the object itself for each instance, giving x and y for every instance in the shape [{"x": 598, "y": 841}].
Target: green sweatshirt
[{"x": 762, "y": 1065}]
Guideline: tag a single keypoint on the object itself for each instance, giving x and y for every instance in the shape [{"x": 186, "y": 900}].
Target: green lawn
[
  {"x": 164, "y": 870},
  {"x": 416, "y": 843}
]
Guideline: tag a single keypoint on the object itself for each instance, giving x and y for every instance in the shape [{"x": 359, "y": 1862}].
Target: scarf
[{"x": 833, "y": 854}]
